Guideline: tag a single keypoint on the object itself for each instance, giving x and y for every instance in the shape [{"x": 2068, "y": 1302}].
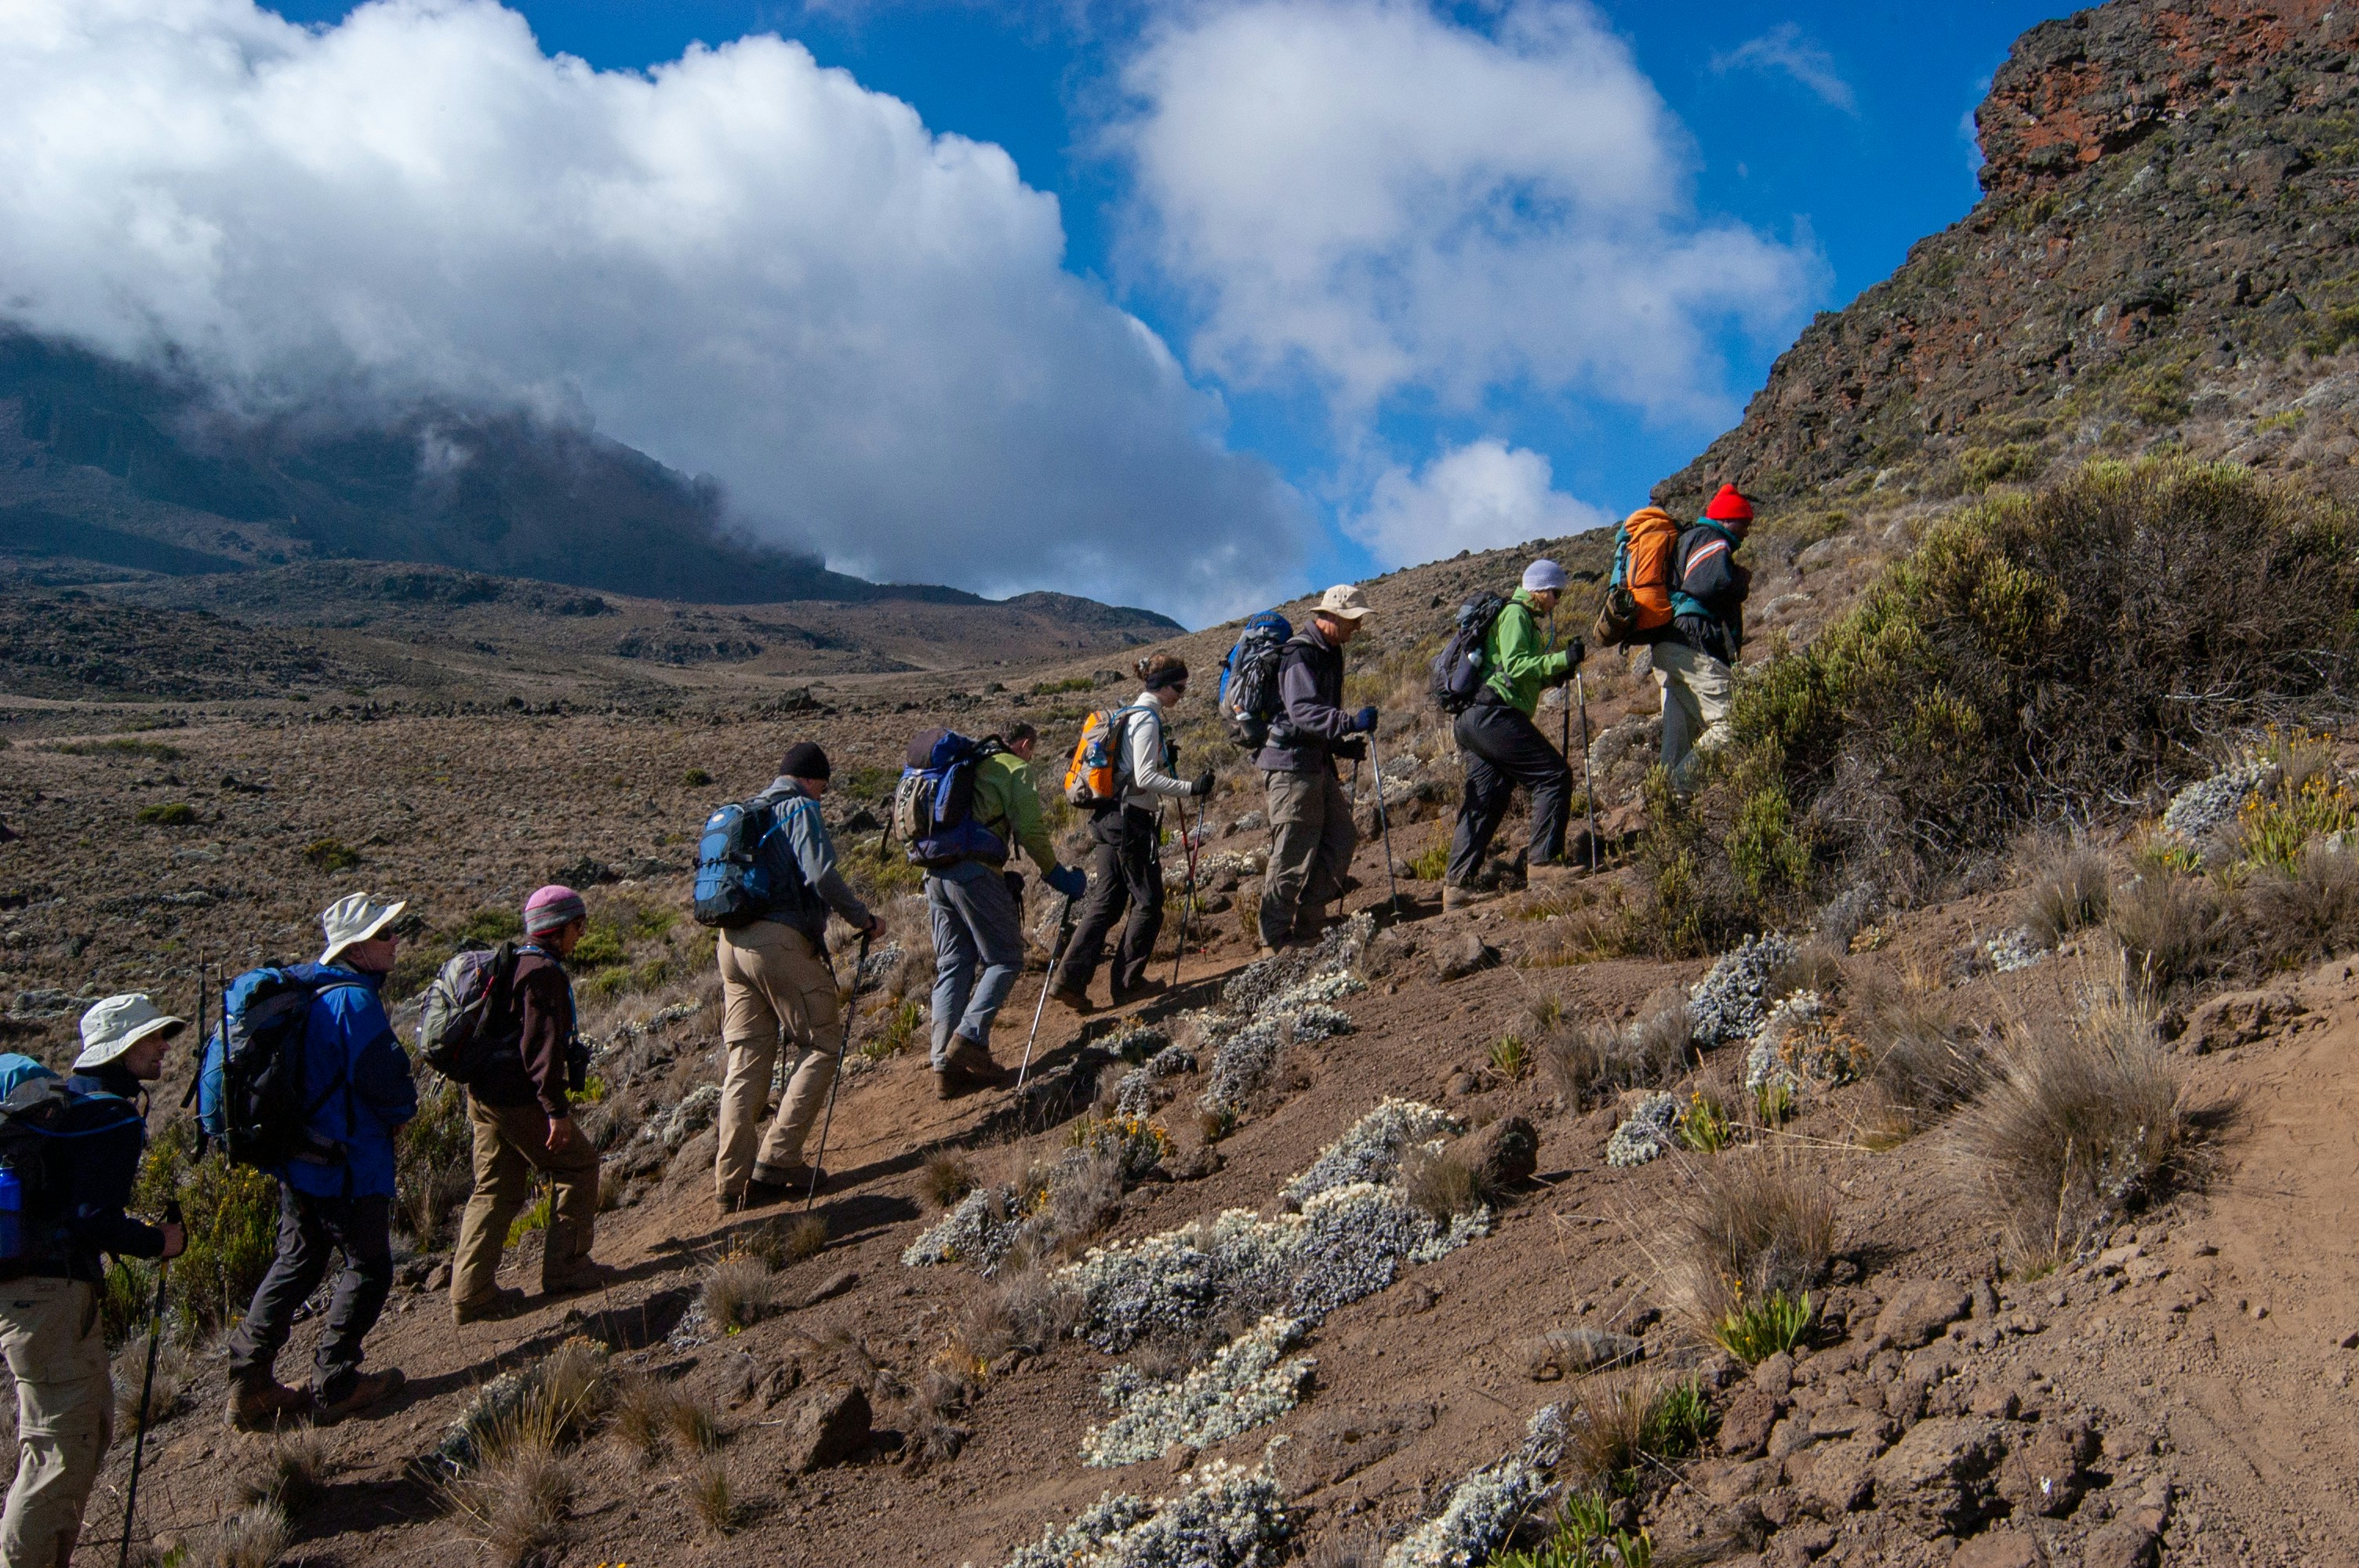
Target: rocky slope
[{"x": 2160, "y": 258}]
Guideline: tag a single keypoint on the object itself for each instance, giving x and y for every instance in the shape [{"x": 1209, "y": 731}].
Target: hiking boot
[
  {"x": 951, "y": 1081},
  {"x": 974, "y": 1062},
  {"x": 1464, "y": 898},
  {"x": 502, "y": 1301},
  {"x": 1078, "y": 1001},
  {"x": 783, "y": 1184},
  {"x": 261, "y": 1406},
  {"x": 573, "y": 1279},
  {"x": 367, "y": 1390},
  {"x": 1138, "y": 992}
]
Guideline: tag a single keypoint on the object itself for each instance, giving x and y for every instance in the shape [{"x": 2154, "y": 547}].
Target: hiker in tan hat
[
  {"x": 335, "y": 1194},
  {"x": 50, "y": 1326},
  {"x": 1311, "y": 835}
]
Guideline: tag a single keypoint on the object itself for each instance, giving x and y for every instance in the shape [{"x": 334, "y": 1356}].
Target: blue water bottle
[{"x": 12, "y": 1215}]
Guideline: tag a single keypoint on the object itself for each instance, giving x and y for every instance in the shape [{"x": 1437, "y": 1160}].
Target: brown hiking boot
[
  {"x": 974, "y": 1062},
  {"x": 1078, "y": 1001},
  {"x": 785, "y": 1183},
  {"x": 368, "y": 1389},
  {"x": 500, "y": 1301},
  {"x": 1464, "y": 898},
  {"x": 263, "y": 1405},
  {"x": 572, "y": 1279},
  {"x": 949, "y": 1083}
]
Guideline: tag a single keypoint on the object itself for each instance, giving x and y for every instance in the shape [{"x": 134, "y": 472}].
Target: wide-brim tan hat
[
  {"x": 356, "y": 917},
  {"x": 114, "y": 1025},
  {"x": 1345, "y": 602}
]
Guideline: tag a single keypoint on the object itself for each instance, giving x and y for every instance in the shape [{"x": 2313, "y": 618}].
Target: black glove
[
  {"x": 1575, "y": 652},
  {"x": 1351, "y": 751},
  {"x": 1203, "y": 784},
  {"x": 1015, "y": 886}
]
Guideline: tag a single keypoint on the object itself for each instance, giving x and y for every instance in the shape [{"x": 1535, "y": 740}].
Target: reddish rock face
[{"x": 2170, "y": 188}]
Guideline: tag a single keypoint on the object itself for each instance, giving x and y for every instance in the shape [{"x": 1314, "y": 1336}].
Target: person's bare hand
[
  {"x": 563, "y": 1134},
  {"x": 176, "y": 1240}
]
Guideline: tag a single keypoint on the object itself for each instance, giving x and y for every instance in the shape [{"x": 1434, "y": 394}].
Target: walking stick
[
  {"x": 1588, "y": 788},
  {"x": 1064, "y": 935},
  {"x": 146, "y": 1392},
  {"x": 851, "y": 1013},
  {"x": 1384, "y": 818},
  {"x": 1188, "y": 908}
]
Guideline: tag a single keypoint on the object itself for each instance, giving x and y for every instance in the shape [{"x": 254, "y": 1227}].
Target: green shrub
[
  {"x": 696, "y": 778},
  {"x": 600, "y": 947},
  {"x": 177, "y": 813},
  {"x": 1983, "y": 467},
  {"x": 434, "y": 1159},
  {"x": 1057, "y": 688},
  {"x": 492, "y": 927},
  {"x": 867, "y": 782},
  {"x": 331, "y": 855},
  {"x": 122, "y": 746},
  {"x": 231, "y": 1217},
  {"x": 1430, "y": 863},
  {"x": 1583, "y": 1535}
]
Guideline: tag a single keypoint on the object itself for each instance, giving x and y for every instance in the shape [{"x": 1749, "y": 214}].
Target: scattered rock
[
  {"x": 1918, "y": 1311},
  {"x": 2043, "y": 1472},
  {"x": 1502, "y": 1155},
  {"x": 1457, "y": 959},
  {"x": 2239, "y": 1018},
  {"x": 1999, "y": 1548},
  {"x": 1840, "y": 1476},
  {"x": 1746, "y": 1420},
  {"x": 1562, "y": 1352},
  {"x": 834, "y": 1285},
  {"x": 1936, "y": 1479},
  {"x": 1774, "y": 1375},
  {"x": 826, "y": 1426}
]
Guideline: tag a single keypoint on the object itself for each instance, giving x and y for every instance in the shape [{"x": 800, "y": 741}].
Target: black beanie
[{"x": 804, "y": 761}]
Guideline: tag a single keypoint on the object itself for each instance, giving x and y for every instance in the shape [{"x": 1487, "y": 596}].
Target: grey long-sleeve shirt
[
  {"x": 1147, "y": 777},
  {"x": 802, "y": 865}
]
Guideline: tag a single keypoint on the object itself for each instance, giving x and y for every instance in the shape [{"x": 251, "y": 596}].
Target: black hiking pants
[
  {"x": 310, "y": 1230},
  {"x": 1501, "y": 749},
  {"x": 1125, "y": 872}
]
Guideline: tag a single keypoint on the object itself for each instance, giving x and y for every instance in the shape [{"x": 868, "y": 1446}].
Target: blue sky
[{"x": 1500, "y": 290}]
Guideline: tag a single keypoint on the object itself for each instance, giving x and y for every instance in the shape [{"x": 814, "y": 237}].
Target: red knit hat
[{"x": 1728, "y": 506}]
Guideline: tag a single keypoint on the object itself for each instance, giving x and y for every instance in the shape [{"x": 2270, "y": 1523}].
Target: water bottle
[{"x": 12, "y": 1215}]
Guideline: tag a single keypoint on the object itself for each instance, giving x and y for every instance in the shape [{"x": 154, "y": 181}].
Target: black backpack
[
  {"x": 1248, "y": 698},
  {"x": 250, "y": 1085},
  {"x": 469, "y": 1022},
  {"x": 40, "y": 1119},
  {"x": 1463, "y": 666}
]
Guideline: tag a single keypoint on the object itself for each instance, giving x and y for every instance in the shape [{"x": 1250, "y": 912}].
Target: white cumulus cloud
[
  {"x": 1480, "y": 496},
  {"x": 739, "y": 262},
  {"x": 1371, "y": 199}
]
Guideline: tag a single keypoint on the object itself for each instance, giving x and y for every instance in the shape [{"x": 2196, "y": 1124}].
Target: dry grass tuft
[
  {"x": 176, "y": 1369},
  {"x": 1815, "y": 967},
  {"x": 1925, "y": 1058},
  {"x": 710, "y": 1498},
  {"x": 515, "y": 1503},
  {"x": 1442, "y": 1184},
  {"x": 1753, "y": 1222},
  {"x": 946, "y": 1179},
  {"x": 253, "y": 1537},
  {"x": 2311, "y": 911},
  {"x": 1608, "y": 1424},
  {"x": 2077, "y": 892},
  {"x": 694, "y": 1424},
  {"x": 1020, "y": 1309},
  {"x": 290, "y": 1472},
  {"x": 1590, "y": 1063},
  {"x": 807, "y": 1237},
  {"x": 2173, "y": 929},
  {"x": 739, "y": 1288},
  {"x": 2084, "y": 1123}
]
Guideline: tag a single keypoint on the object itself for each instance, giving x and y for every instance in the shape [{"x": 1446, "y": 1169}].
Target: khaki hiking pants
[
  {"x": 511, "y": 1143},
  {"x": 774, "y": 982},
  {"x": 65, "y": 1415},
  {"x": 1311, "y": 836},
  {"x": 1695, "y": 710}
]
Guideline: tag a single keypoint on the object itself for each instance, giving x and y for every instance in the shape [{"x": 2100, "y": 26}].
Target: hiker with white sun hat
[
  {"x": 82, "y": 1139},
  {"x": 336, "y": 1190}
]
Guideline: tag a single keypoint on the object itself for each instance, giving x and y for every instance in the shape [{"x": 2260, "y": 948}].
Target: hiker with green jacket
[
  {"x": 1694, "y": 655},
  {"x": 1502, "y": 748},
  {"x": 977, "y": 911}
]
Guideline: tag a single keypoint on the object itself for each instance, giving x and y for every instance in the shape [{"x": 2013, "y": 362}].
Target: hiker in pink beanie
[{"x": 521, "y": 1113}]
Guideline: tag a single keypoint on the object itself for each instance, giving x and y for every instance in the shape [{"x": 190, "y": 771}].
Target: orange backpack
[
  {"x": 1094, "y": 776},
  {"x": 1639, "y": 599}
]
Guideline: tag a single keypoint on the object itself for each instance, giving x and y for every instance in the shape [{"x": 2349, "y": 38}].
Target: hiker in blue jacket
[{"x": 336, "y": 1196}]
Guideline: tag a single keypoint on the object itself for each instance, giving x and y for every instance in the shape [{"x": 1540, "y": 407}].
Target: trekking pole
[
  {"x": 1384, "y": 819},
  {"x": 851, "y": 1013},
  {"x": 1588, "y": 788},
  {"x": 1188, "y": 908},
  {"x": 146, "y": 1392},
  {"x": 1064, "y": 935}
]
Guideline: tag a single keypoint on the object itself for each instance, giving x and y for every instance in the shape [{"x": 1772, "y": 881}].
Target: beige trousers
[
  {"x": 1695, "y": 710},
  {"x": 774, "y": 983},
  {"x": 65, "y": 1415},
  {"x": 511, "y": 1143}
]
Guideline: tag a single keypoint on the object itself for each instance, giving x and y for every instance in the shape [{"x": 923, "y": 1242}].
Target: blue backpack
[
  {"x": 933, "y": 807},
  {"x": 1248, "y": 698},
  {"x": 733, "y": 887},
  {"x": 39, "y": 1120},
  {"x": 250, "y": 1083}
]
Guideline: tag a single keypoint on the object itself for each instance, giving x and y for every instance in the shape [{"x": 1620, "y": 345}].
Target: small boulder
[
  {"x": 1841, "y": 1478},
  {"x": 1747, "y": 1419},
  {"x": 1919, "y": 1312},
  {"x": 1937, "y": 1479},
  {"x": 1775, "y": 1375},
  {"x": 1456, "y": 959},
  {"x": 1503, "y": 1154},
  {"x": 2239, "y": 1018},
  {"x": 2044, "y": 1471},
  {"x": 828, "y": 1425},
  {"x": 1999, "y": 1548}
]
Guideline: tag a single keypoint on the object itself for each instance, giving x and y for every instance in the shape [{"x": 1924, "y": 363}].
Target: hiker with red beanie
[
  {"x": 1693, "y": 664},
  {"x": 520, "y": 1110}
]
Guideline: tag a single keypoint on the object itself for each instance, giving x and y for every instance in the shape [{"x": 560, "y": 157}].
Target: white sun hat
[
  {"x": 114, "y": 1025},
  {"x": 356, "y": 917}
]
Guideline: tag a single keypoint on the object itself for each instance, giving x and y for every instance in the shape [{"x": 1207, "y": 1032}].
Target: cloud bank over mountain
[{"x": 741, "y": 263}]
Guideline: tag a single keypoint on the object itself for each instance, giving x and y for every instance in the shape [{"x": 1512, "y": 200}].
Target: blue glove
[
  {"x": 1365, "y": 720},
  {"x": 1068, "y": 881}
]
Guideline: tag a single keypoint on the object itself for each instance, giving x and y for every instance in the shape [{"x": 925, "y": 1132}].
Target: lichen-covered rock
[
  {"x": 1730, "y": 1002},
  {"x": 2207, "y": 805},
  {"x": 1248, "y": 1382},
  {"x": 1143, "y": 1088},
  {"x": 1799, "y": 1042},
  {"x": 1646, "y": 1133},
  {"x": 2012, "y": 949}
]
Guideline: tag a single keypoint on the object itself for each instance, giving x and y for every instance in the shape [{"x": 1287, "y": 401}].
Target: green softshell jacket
[
  {"x": 1521, "y": 665},
  {"x": 1006, "y": 802}
]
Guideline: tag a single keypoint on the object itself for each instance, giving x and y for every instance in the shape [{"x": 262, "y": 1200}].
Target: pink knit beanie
[{"x": 553, "y": 908}]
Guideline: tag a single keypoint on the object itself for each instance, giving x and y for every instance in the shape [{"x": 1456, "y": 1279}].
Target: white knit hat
[
  {"x": 1543, "y": 576},
  {"x": 356, "y": 917},
  {"x": 114, "y": 1025}
]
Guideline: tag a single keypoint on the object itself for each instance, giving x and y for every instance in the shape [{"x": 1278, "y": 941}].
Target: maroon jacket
[{"x": 543, "y": 998}]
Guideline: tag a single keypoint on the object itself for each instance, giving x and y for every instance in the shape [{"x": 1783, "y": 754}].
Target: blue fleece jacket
[{"x": 356, "y": 1079}]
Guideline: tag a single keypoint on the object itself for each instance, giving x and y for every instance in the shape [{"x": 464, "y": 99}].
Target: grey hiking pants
[
  {"x": 1311, "y": 836},
  {"x": 310, "y": 1231},
  {"x": 978, "y": 953}
]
